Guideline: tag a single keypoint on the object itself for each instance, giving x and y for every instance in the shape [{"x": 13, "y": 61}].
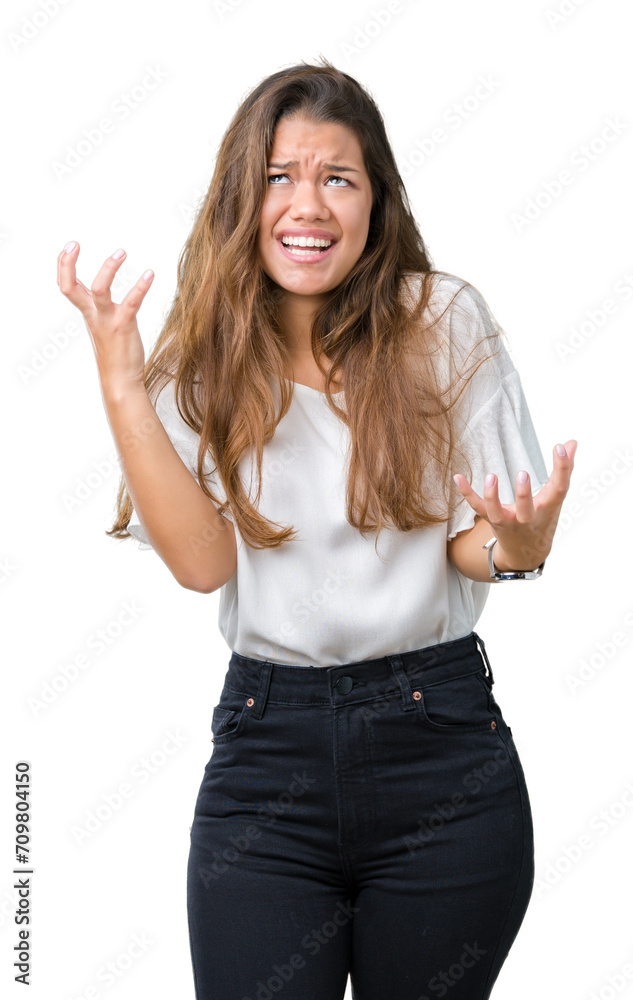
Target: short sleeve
[
  {"x": 186, "y": 443},
  {"x": 493, "y": 421}
]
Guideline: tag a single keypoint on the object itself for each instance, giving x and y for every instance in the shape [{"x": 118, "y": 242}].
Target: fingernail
[
  {"x": 490, "y": 479},
  {"x": 456, "y": 480},
  {"x": 560, "y": 448},
  {"x": 523, "y": 477},
  {"x": 147, "y": 275},
  {"x": 70, "y": 246},
  {"x": 118, "y": 254}
]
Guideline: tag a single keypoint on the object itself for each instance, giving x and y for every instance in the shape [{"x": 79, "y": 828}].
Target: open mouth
[{"x": 306, "y": 255}]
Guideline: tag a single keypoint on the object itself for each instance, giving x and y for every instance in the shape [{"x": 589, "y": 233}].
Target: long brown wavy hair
[{"x": 222, "y": 340}]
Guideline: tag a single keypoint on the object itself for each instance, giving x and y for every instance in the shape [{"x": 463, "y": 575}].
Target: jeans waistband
[{"x": 362, "y": 680}]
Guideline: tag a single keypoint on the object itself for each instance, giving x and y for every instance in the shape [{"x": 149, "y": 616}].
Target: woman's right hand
[{"x": 112, "y": 327}]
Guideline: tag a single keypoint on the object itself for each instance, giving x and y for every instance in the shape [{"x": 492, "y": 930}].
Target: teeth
[{"x": 304, "y": 241}]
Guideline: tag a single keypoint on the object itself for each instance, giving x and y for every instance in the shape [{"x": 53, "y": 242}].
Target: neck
[{"x": 297, "y": 313}]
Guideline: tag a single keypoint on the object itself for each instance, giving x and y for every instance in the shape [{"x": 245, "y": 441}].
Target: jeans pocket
[
  {"x": 230, "y": 716},
  {"x": 459, "y": 704}
]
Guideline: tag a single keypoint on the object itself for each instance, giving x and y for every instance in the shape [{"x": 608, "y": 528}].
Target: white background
[{"x": 555, "y": 82}]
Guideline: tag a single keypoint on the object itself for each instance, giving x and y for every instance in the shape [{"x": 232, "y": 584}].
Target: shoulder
[
  {"x": 445, "y": 289},
  {"x": 456, "y": 317},
  {"x": 463, "y": 337},
  {"x": 453, "y": 304}
]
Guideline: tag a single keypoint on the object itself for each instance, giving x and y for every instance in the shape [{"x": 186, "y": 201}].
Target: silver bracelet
[{"x": 511, "y": 574}]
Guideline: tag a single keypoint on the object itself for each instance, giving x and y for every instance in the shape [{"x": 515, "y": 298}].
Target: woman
[{"x": 364, "y": 810}]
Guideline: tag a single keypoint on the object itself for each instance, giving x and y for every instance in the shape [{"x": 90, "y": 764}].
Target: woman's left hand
[{"x": 525, "y": 529}]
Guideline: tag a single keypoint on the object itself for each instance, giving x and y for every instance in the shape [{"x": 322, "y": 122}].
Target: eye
[{"x": 273, "y": 177}]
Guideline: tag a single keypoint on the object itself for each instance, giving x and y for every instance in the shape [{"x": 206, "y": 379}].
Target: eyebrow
[{"x": 328, "y": 166}]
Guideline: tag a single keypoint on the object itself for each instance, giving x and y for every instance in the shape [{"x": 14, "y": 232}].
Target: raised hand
[
  {"x": 112, "y": 327},
  {"x": 525, "y": 529}
]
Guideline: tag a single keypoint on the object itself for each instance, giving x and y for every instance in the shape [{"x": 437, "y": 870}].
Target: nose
[{"x": 307, "y": 202}]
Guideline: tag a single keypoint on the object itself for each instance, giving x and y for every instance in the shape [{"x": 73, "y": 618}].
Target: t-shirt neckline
[{"x": 315, "y": 392}]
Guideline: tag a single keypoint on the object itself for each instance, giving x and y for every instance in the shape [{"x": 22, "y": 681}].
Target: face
[{"x": 317, "y": 187}]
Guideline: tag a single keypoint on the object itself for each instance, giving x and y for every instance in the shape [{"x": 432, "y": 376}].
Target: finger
[
  {"x": 494, "y": 510},
  {"x": 524, "y": 505},
  {"x": 70, "y": 251},
  {"x": 570, "y": 447},
  {"x": 69, "y": 285},
  {"x": 475, "y": 501},
  {"x": 101, "y": 286},
  {"x": 132, "y": 301},
  {"x": 563, "y": 466}
]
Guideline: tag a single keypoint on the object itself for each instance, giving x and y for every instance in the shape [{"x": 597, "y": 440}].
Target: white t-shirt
[{"x": 327, "y": 598}]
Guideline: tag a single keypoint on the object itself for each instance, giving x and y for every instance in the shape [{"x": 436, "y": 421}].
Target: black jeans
[{"x": 371, "y": 820}]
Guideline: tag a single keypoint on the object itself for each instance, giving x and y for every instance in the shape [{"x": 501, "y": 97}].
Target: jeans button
[{"x": 344, "y": 685}]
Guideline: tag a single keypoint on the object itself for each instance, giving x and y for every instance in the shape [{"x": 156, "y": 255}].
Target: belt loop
[
  {"x": 405, "y": 685},
  {"x": 262, "y": 692},
  {"x": 481, "y": 643}
]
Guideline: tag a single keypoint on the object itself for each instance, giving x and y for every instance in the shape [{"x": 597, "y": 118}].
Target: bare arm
[
  {"x": 194, "y": 541},
  {"x": 467, "y": 555}
]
